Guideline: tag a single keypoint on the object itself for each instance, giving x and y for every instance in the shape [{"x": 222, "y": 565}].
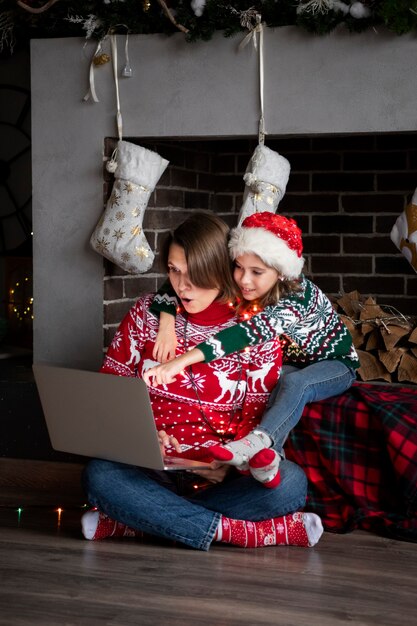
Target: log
[
  {"x": 392, "y": 333},
  {"x": 374, "y": 340},
  {"x": 413, "y": 337},
  {"x": 391, "y": 358},
  {"x": 407, "y": 369},
  {"x": 371, "y": 368},
  {"x": 350, "y": 303}
]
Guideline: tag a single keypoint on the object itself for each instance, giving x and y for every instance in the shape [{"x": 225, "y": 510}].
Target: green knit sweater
[{"x": 312, "y": 329}]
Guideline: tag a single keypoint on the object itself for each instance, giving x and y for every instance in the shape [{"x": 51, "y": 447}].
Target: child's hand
[
  {"x": 166, "y": 373},
  {"x": 164, "y": 348},
  {"x": 163, "y": 374},
  {"x": 166, "y": 339}
]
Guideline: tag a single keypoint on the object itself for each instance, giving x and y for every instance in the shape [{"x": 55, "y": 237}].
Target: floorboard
[{"x": 51, "y": 576}]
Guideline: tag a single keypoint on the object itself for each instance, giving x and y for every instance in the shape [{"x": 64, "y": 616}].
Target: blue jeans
[
  {"x": 160, "y": 504},
  {"x": 297, "y": 387}
]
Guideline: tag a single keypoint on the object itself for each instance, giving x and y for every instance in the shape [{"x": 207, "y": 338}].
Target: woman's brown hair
[{"x": 203, "y": 237}]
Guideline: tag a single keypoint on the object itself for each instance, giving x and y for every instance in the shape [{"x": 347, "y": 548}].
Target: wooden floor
[{"x": 49, "y": 575}]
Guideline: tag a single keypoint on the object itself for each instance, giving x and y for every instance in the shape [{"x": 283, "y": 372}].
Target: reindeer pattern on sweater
[{"x": 212, "y": 400}]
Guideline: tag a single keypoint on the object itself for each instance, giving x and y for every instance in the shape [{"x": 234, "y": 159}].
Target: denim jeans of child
[
  {"x": 157, "y": 503},
  {"x": 296, "y": 388}
]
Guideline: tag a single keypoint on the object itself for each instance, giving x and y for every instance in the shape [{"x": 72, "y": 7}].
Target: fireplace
[{"x": 344, "y": 192}]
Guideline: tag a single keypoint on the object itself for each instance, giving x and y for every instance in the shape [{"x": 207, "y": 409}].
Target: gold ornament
[
  {"x": 129, "y": 187},
  {"x": 136, "y": 230},
  {"x": 141, "y": 252},
  {"x": 114, "y": 199},
  {"x": 118, "y": 234},
  {"x": 102, "y": 245},
  {"x": 101, "y": 59},
  {"x": 146, "y": 5}
]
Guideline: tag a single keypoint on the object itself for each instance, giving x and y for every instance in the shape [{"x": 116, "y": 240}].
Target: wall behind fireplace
[
  {"x": 314, "y": 86},
  {"x": 344, "y": 191}
]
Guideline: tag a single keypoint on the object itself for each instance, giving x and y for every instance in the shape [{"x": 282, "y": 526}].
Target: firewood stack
[{"x": 386, "y": 340}]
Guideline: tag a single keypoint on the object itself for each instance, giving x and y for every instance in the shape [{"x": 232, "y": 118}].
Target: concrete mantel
[{"x": 340, "y": 83}]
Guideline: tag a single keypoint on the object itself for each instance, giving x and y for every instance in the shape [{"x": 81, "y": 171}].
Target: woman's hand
[
  {"x": 166, "y": 440},
  {"x": 166, "y": 339}
]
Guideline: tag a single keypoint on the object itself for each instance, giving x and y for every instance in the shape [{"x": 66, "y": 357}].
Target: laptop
[{"x": 103, "y": 416}]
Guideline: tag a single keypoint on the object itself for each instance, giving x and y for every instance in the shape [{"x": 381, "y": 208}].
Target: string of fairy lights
[
  {"x": 58, "y": 511},
  {"x": 20, "y": 301}
]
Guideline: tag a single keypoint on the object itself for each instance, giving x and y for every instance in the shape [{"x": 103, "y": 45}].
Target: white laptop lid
[{"x": 102, "y": 416}]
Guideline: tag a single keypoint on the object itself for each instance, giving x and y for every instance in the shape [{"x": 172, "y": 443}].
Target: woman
[
  {"x": 207, "y": 405},
  {"x": 320, "y": 357}
]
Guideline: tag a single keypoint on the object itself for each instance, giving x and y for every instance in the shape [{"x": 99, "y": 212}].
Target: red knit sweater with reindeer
[{"x": 210, "y": 402}]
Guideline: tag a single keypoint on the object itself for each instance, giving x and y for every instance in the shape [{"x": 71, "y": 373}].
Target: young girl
[
  {"x": 207, "y": 405},
  {"x": 318, "y": 350}
]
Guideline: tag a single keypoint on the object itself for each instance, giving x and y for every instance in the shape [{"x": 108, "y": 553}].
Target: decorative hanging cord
[
  {"x": 127, "y": 70},
  {"x": 119, "y": 122},
  {"x": 98, "y": 54},
  {"x": 99, "y": 58},
  {"x": 254, "y": 30}
]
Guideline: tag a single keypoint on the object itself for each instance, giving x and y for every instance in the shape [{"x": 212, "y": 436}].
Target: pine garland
[{"x": 95, "y": 18}]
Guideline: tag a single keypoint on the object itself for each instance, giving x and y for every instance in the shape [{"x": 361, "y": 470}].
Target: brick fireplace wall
[{"x": 344, "y": 191}]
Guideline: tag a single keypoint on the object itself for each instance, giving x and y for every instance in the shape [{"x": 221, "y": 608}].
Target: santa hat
[{"x": 275, "y": 239}]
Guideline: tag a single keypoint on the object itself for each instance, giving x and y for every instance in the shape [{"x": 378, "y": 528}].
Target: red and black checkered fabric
[{"x": 359, "y": 451}]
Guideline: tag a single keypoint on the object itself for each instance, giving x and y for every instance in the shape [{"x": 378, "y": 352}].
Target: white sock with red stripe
[
  {"x": 264, "y": 467},
  {"x": 296, "y": 529},
  {"x": 96, "y": 525}
]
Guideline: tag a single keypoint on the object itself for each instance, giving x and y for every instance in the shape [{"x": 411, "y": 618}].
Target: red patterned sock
[
  {"x": 96, "y": 525},
  {"x": 296, "y": 529}
]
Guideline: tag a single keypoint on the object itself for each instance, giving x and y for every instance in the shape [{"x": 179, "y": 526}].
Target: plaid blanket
[{"x": 359, "y": 451}]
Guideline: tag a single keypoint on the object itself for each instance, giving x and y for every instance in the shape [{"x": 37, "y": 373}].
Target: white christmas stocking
[
  {"x": 266, "y": 178},
  {"x": 118, "y": 235},
  {"x": 404, "y": 232}
]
